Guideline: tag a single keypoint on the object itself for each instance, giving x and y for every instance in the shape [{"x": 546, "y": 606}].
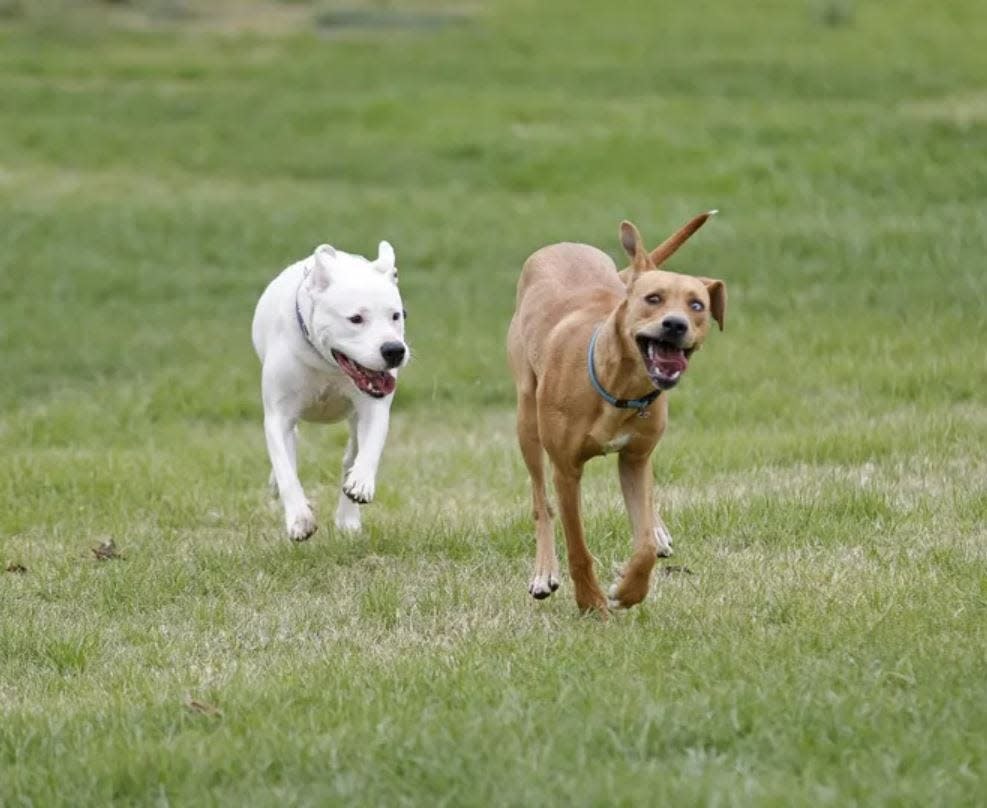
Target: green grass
[{"x": 824, "y": 474}]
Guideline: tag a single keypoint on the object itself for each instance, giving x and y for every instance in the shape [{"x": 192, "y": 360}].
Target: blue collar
[
  {"x": 639, "y": 404},
  {"x": 301, "y": 323}
]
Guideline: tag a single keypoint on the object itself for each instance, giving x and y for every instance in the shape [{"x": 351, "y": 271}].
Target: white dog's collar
[{"x": 306, "y": 333}]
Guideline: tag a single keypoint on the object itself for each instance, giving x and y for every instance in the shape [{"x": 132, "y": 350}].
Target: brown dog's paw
[
  {"x": 628, "y": 591},
  {"x": 663, "y": 539},
  {"x": 543, "y": 586},
  {"x": 595, "y": 609},
  {"x": 592, "y": 602},
  {"x": 613, "y": 600}
]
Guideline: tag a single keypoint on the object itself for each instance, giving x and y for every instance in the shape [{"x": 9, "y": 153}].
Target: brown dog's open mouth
[
  {"x": 665, "y": 361},
  {"x": 376, "y": 383}
]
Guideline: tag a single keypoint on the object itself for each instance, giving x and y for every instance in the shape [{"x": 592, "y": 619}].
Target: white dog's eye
[
  {"x": 695, "y": 305},
  {"x": 396, "y": 316},
  {"x": 356, "y": 319}
]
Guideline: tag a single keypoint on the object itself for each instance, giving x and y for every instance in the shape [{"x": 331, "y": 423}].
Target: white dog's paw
[
  {"x": 348, "y": 516},
  {"x": 349, "y": 525},
  {"x": 664, "y": 540},
  {"x": 543, "y": 585},
  {"x": 359, "y": 487},
  {"x": 301, "y": 525}
]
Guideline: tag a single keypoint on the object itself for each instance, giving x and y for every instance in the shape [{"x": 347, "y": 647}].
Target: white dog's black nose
[{"x": 393, "y": 353}]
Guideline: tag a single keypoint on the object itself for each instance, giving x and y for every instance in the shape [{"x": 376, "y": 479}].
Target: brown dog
[{"x": 591, "y": 351}]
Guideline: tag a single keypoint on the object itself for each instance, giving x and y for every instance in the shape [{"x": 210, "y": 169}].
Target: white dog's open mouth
[
  {"x": 376, "y": 383},
  {"x": 664, "y": 361}
]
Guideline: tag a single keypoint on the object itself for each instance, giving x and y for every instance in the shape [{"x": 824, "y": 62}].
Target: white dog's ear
[
  {"x": 385, "y": 254},
  {"x": 385, "y": 260},
  {"x": 325, "y": 258}
]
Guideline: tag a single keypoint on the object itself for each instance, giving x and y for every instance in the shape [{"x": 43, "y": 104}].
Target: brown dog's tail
[{"x": 669, "y": 246}]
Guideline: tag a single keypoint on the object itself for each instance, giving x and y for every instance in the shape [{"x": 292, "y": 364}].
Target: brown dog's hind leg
[
  {"x": 636, "y": 486},
  {"x": 546, "y": 577},
  {"x": 589, "y": 596}
]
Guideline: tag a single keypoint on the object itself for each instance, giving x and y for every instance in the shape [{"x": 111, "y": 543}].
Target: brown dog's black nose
[
  {"x": 674, "y": 326},
  {"x": 393, "y": 353}
]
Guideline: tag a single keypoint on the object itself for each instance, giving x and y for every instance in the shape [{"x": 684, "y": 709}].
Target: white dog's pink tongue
[
  {"x": 376, "y": 383},
  {"x": 384, "y": 382},
  {"x": 670, "y": 360}
]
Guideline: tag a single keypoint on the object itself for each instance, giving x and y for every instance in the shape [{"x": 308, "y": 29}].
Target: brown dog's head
[{"x": 667, "y": 314}]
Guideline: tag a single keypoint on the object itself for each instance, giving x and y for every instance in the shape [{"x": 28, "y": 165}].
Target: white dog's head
[{"x": 357, "y": 316}]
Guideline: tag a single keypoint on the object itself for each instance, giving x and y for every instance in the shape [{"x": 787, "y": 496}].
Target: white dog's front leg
[
  {"x": 372, "y": 416},
  {"x": 279, "y": 431},
  {"x": 290, "y": 443},
  {"x": 347, "y": 511}
]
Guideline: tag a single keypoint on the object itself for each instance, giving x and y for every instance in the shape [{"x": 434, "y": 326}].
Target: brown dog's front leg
[
  {"x": 589, "y": 596},
  {"x": 636, "y": 486}
]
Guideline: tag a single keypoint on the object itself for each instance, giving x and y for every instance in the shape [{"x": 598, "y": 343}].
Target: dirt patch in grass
[
  {"x": 106, "y": 551},
  {"x": 232, "y": 16},
  {"x": 389, "y": 19}
]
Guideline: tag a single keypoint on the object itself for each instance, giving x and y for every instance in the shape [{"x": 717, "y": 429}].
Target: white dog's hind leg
[
  {"x": 347, "y": 511},
  {"x": 280, "y": 433},
  {"x": 372, "y": 417}
]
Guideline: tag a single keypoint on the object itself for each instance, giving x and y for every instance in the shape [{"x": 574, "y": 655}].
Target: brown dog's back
[{"x": 572, "y": 283}]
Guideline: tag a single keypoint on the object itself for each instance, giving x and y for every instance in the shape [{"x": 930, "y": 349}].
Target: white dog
[{"x": 329, "y": 331}]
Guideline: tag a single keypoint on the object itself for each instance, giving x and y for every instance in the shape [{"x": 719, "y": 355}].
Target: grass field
[{"x": 824, "y": 475}]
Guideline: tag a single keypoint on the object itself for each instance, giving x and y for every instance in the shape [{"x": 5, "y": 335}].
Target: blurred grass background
[{"x": 823, "y": 472}]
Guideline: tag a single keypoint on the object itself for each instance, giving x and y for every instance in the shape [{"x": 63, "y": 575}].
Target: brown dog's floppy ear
[
  {"x": 669, "y": 246},
  {"x": 717, "y": 299}
]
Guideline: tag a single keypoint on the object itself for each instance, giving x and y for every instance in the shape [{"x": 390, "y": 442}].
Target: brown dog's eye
[
  {"x": 695, "y": 305},
  {"x": 356, "y": 319},
  {"x": 654, "y": 300}
]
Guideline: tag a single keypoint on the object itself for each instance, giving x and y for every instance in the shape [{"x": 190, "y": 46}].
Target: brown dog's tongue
[{"x": 672, "y": 360}]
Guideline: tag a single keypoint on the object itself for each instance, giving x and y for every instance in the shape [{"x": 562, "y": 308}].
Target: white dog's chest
[{"x": 327, "y": 404}]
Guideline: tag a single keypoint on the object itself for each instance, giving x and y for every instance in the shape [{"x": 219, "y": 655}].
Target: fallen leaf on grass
[
  {"x": 197, "y": 706},
  {"x": 106, "y": 550},
  {"x": 672, "y": 569},
  {"x": 14, "y": 566}
]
